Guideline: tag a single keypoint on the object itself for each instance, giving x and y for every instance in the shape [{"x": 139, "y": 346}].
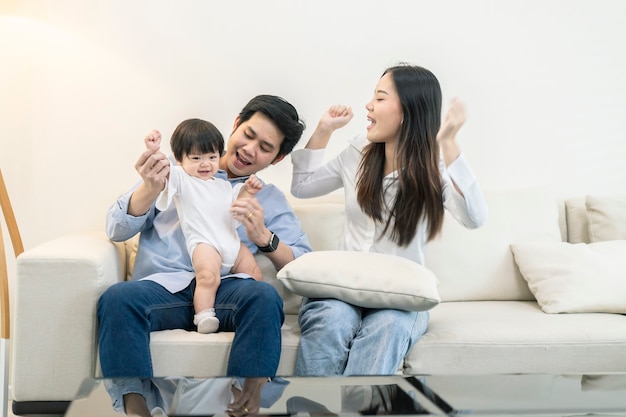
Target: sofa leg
[{"x": 26, "y": 408}]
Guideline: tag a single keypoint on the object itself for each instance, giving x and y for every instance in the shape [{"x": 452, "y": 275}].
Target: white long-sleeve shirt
[{"x": 312, "y": 178}]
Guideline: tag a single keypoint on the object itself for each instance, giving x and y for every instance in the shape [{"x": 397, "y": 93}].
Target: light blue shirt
[{"x": 162, "y": 255}]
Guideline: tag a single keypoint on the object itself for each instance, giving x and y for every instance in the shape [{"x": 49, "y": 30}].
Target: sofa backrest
[
  {"x": 470, "y": 264},
  {"x": 478, "y": 264},
  {"x": 322, "y": 220}
]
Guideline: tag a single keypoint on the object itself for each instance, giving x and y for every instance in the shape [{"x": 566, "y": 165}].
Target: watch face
[
  {"x": 274, "y": 242},
  {"x": 272, "y": 246}
]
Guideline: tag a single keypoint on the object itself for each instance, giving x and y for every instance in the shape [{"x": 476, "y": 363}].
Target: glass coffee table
[{"x": 478, "y": 395}]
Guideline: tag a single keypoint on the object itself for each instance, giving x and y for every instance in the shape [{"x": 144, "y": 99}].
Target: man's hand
[
  {"x": 154, "y": 168},
  {"x": 251, "y": 214},
  {"x": 248, "y": 400}
]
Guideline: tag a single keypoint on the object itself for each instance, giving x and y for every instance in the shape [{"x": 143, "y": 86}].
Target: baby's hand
[
  {"x": 252, "y": 185},
  {"x": 153, "y": 140}
]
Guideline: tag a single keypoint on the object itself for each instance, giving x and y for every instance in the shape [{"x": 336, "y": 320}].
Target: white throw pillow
[
  {"x": 373, "y": 280},
  {"x": 607, "y": 218},
  {"x": 575, "y": 278}
]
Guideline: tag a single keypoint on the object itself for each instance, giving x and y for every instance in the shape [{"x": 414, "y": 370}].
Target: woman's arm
[
  {"x": 334, "y": 118},
  {"x": 310, "y": 178}
]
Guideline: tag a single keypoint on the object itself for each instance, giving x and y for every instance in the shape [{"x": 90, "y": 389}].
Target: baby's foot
[{"x": 206, "y": 321}]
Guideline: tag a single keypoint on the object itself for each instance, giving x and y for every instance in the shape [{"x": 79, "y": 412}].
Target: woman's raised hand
[
  {"x": 454, "y": 120},
  {"x": 336, "y": 117}
]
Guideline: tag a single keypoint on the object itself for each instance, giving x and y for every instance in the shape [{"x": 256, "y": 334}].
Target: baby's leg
[
  {"x": 207, "y": 264},
  {"x": 246, "y": 264}
]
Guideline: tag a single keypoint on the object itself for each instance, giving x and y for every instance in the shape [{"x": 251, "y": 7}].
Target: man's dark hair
[{"x": 282, "y": 113}]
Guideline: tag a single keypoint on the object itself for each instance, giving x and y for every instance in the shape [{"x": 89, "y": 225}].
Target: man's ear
[
  {"x": 278, "y": 159},
  {"x": 236, "y": 124}
]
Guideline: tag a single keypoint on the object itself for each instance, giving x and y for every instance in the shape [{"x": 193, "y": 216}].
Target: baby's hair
[{"x": 196, "y": 135}]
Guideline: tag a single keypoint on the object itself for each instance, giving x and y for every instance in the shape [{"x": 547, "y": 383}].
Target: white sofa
[{"x": 489, "y": 321}]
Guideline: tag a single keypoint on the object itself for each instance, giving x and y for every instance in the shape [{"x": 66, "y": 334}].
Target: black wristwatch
[{"x": 272, "y": 246}]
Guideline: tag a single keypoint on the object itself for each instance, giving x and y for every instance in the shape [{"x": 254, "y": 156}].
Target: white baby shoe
[{"x": 206, "y": 321}]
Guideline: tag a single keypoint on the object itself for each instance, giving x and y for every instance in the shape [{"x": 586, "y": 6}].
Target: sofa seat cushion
[
  {"x": 184, "y": 353},
  {"x": 517, "y": 337}
]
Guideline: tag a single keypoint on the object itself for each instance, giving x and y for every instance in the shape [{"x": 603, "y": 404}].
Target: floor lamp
[{"x": 5, "y": 320}]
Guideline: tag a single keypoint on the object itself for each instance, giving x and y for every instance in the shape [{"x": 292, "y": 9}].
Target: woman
[{"x": 397, "y": 184}]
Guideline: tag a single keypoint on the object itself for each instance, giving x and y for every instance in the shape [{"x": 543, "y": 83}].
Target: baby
[{"x": 203, "y": 205}]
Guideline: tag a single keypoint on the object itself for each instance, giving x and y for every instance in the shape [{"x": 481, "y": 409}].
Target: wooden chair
[{"x": 5, "y": 318}]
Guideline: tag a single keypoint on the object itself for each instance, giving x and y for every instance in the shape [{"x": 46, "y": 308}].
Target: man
[{"x": 160, "y": 294}]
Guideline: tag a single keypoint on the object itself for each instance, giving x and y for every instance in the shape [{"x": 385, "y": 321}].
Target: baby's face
[{"x": 202, "y": 166}]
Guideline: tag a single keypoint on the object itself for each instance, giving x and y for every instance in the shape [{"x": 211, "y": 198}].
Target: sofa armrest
[{"x": 55, "y": 331}]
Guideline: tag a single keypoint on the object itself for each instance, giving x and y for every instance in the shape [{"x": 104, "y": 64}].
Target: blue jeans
[
  {"x": 128, "y": 311},
  {"x": 342, "y": 339}
]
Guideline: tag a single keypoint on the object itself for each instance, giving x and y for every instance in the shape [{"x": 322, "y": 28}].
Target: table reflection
[
  {"x": 520, "y": 394},
  {"x": 238, "y": 397}
]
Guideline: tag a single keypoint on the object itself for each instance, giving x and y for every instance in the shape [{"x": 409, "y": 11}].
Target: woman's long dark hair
[{"x": 417, "y": 158}]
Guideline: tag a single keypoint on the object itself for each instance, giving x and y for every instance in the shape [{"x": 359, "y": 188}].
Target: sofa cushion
[
  {"x": 607, "y": 218},
  {"x": 575, "y": 278},
  {"x": 477, "y": 265},
  {"x": 372, "y": 280},
  {"x": 181, "y": 352},
  {"x": 497, "y": 337}
]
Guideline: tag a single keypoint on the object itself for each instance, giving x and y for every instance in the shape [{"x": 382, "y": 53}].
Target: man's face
[{"x": 253, "y": 146}]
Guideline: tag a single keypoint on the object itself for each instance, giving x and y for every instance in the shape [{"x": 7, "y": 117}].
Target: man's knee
[{"x": 116, "y": 298}]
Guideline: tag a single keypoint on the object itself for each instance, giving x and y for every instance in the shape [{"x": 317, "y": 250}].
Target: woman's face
[{"x": 384, "y": 112}]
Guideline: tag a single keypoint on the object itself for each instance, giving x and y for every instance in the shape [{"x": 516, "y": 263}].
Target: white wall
[{"x": 81, "y": 82}]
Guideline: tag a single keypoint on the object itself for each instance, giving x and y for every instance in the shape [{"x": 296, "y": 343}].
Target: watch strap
[{"x": 272, "y": 245}]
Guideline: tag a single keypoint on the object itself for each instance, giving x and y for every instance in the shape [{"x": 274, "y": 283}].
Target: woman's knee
[
  {"x": 397, "y": 323},
  {"x": 329, "y": 308},
  {"x": 334, "y": 317}
]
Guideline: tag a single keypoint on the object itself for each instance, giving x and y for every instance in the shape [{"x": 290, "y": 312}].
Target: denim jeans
[
  {"x": 342, "y": 339},
  {"x": 129, "y": 311}
]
